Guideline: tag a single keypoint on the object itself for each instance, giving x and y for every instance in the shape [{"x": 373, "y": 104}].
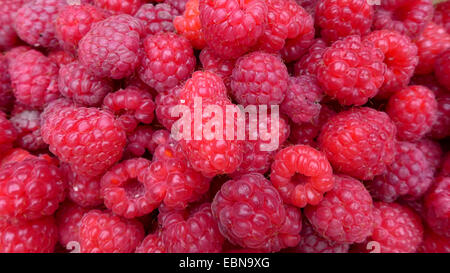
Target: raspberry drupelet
[
  {"x": 157, "y": 18},
  {"x": 437, "y": 208},
  {"x": 189, "y": 25},
  {"x": 119, "y": 6}
]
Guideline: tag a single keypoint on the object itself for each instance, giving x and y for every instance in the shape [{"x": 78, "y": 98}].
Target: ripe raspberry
[
  {"x": 34, "y": 79},
  {"x": 259, "y": 78},
  {"x": 441, "y": 127},
  {"x": 35, "y": 236},
  {"x": 433, "y": 243},
  {"x": 400, "y": 57},
  {"x": 442, "y": 15},
  {"x": 351, "y": 70},
  {"x": 190, "y": 232},
  {"x": 160, "y": 137},
  {"x": 407, "y": 17},
  {"x": 30, "y": 189},
  {"x": 68, "y": 219},
  {"x": 359, "y": 142},
  {"x": 157, "y": 18},
  {"x": 119, "y": 6},
  {"x": 189, "y": 24},
  {"x": 432, "y": 151},
  {"x": 61, "y": 57},
  {"x": 431, "y": 42},
  {"x": 67, "y": 129},
  {"x": 168, "y": 60},
  {"x": 442, "y": 69},
  {"x": 437, "y": 207},
  {"x": 28, "y": 127},
  {"x": 165, "y": 101},
  {"x": 205, "y": 85},
  {"x": 309, "y": 63},
  {"x": 409, "y": 176},
  {"x": 111, "y": 47},
  {"x": 179, "y": 5},
  {"x": 302, "y": 99},
  {"x": 8, "y": 10},
  {"x": 103, "y": 232},
  {"x": 302, "y": 175},
  {"x": 82, "y": 190},
  {"x": 15, "y": 155},
  {"x": 6, "y": 94},
  {"x": 308, "y": 5},
  {"x": 445, "y": 166},
  {"x": 251, "y": 214},
  {"x": 413, "y": 110},
  {"x": 75, "y": 21},
  {"x": 75, "y": 82},
  {"x": 217, "y": 65},
  {"x": 232, "y": 27},
  {"x": 139, "y": 141},
  {"x": 34, "y": 22},
  {"x": 151, "y": 244},
  {"x": 295, "y": 48},
  {"x": 7, "y": 133},
  {"x": 341, "y": 18}
]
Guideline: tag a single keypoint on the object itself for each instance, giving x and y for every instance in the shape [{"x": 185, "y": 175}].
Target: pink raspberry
[
  {"x": 433, "y": 243},
  {"x": 103, "y": 232},
  {"x": 250, "y": 213},
  {"x": 180, "y": 5},
  {"x": 119, "y": 6},
  {"x": 437, "y": 207},
  {"x": 7, "y": 133},
  {"x": 157, "y": 18},
  {"x": 445, "y": 165},
  {"x": 139, "y": 141},
  {"x": 351, "y": 71},
  {"x": 205, "y": 85},
  {"x": 359, "y": 142},
  {"x": 28, "y": 127},
  {"x": 309, "y": 63},
  {"x": 34, "y": 79},
  {"x": 432, "y": 151},
  {"x": 61, "y": 57},
  {"x": 168, "y": 60},
  {"x": 441, "y": 127},
  {"x": 442, "y": 15},
  {"x": 259, "y": 78},
  {"x": 68, "y": 219},
  {"x": 151, "y": 244},
  {"x": 442, "y": 69},
  {"x": 341, "y": 18},
  {"x": 6, "y": 94},
  {"x": 232, "y": 27},
  {"x": 8, "y": 10},
  {"x": 165, "y": 101},
  {"x": 111, "y": 47},
  {"x": 85, "y": 191},
  {"x": 413, "y": 110},
  {"x": 189, "y": 24},
  {"x": 217, "y": 65},
  {"x": 159, "y": 137}
]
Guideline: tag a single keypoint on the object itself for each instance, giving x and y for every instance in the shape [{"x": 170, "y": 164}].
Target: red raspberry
[
  {"x": 251, "y": 214},
  {"x": 431, "y": 42},
  {"x": 351, "y": 70},
  {"x": 259, "y": 78},
  {"x": 8, "y": 10},
  {"x": 295, "y": 48},
  {"x": 189, "y": 24},
  {"x": 346, "y": 213},
  {"x": 6, "y": 94},
  {"x": 111, "y": 47},
  {"x": 409, "y": 176},
  {"x": 308, "y": 5},
  {"x": 400, "y": 57},
  {"x": 168, "y": 60},
  {"x": 430, "y": 82},
  {"x": 180, "y": 5},
  {"x": 442, "y": 69},
  {"x": 190, "y": 232},
  {"x": 119, "y": 6},
  {"x": 165, "y": 101},
  {"x": 433, "y": 243},
  {"x": 151, "y": 244},
  {"x": 217, "y": 65},
  {"x": 83, "y": 190},
  {"x": 61, "y": 57},
  {"x": 442, "y": 15},
  {"x": 139, "y": 141},
  {"x": 30, "y": 189},
  {"x": 232, "y": 27},
  {"x": 309, "y": 63},
  {"x": 34, "y": 79},
  {"x": 359, "y": 142},
  {"x": 34, "y": 22},
  {"x": 68, "y": 220},
  {"x": 75, "y": 21},
  {"x": 157, "y": 18},
  {"x": 437, "y": 207},
  {"x": 15, "y": 155},
  {"x": 302, "y": 99},
  {"x": 407, "y": 17},
  {"x": 441, "y": 127},
  {"x": 445, "y": 166},
  {"x": 7, "y": 133},
  {"x": 103, "y": 232},
  {"x": 35, "y": 236},
  {"x": 75, "y": 82},
  {"x": 68, "y": 129},
  {"x": 205, "y": 85},
  {"x": 28, "y": 126},
  {"x": 432, "y": 151},
  {"x": 413, "y": 110},
  {"x": 341, "y": 18},
  {"x": 302, "y": 175}
]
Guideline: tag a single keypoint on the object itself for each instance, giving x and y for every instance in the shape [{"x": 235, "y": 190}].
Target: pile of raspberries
[{"x": 88, "y": 160}]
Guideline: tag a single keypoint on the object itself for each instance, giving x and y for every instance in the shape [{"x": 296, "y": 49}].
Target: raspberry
[
  {"x": 442, "y": 69},
  {"x": 302, "y": 175},
  {"x": 7, "y": 133},
  {"x": 442, "y": 15},
  {"x": 308, "y": 5},
  {"x": 190, "y": 232},
  {"x": 6, "y": 94},
  {"x": 341, "y": 18},
  {"x": 295, "y": 48},
  {"x": 359, "y": 142},
  {"x": 67, "y": 129},
  {"x": 205, "y": 85},
  {"x": 433, "y": 243},
  {"x": 151, "y": 244},
  {"x": 400, "y": 57},
  {"x": 34, "y": 79},
  {"x": 75, "y": 21},
  {"x": 302, "y": 99},
  {"x": 75, "y": 82},
  {"x": 441, "y": 127},
  {"x": 119, "y": 6},
  {"x": 431, "y": 42},
  {"x": 68, "y": 219},
  {"x": 111, "y": 47},
  {"x": 168, "y": 60},
  {"x": 309, "y": 63},
  {"x": 437, "y": 207},
  {"x": 409, "y": 176},
  {"x": 445, "y": 166},
  {"x": 407, "y": 17},
  {"x": 103, "y": 232},
  {"x": 251, "y": 214},
  {"x": 28, "y": 127},
  {"x": 259, "y": 78},
  {"x": 165, "y": 101},
  {"x": 413, "y": 110},
  {"x": 82, "y": 190},
  {"x": 159, "y": 137},
  {"x": 35, "y": 236},
  {"x": 139, "y": 141},
  {"x": 189, "y": 24},
  {"x": 351, "y": 70},
  {"x": 232, "y": 27},
  {"x": 61, "y": 57},
  {"x": 179, "y": 5},
  {"x": 157, "y": 18},
  {"x": 30, "y": 189},
  {"x": 34, "y": 22},
  {"x": 8, "y": 35},
  {"x": 432, "y": 151},
  {"x": 430, "y": 82},
  {"x": 217, "y": 65}
]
